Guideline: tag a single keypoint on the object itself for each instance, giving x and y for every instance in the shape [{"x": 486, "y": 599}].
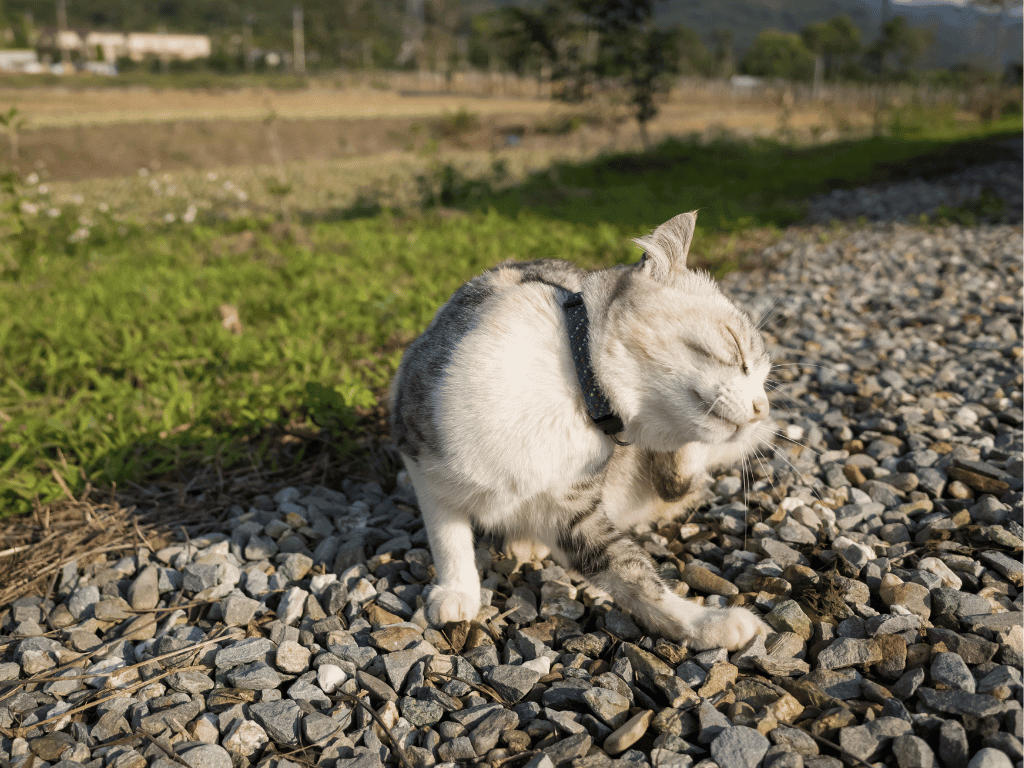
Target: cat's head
[{"x": 697, "y": 363}]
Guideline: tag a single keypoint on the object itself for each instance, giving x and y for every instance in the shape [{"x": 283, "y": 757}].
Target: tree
[
  {"x": 646, "y": 57},
  {"x": 836, "y": 41},
  {"x": 900, "y": 44},
  {"x": 694, "y": 57},
  {"x": 722, "y": 39},
  {"x": 530, "y": 37},
  {"x": 585, "y": 39},
  {"x": 652, "y": 58},
  {"x": 778, "y": 54}
]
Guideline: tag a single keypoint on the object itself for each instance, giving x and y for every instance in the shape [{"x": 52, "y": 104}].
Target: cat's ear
[{"x": 666, "y": 247}]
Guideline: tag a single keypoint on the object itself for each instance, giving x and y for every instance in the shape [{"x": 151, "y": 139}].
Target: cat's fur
[{"x": 488, "y": 416}]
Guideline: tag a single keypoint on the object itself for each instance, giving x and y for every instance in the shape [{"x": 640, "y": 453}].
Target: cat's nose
[{"x": 760, "y": 406}]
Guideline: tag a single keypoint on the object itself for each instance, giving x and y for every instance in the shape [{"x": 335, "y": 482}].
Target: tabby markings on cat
[{"x": 489, "y": 418}]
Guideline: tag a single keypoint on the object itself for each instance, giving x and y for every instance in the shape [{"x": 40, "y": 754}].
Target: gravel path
[{"x": 881, "y": 540}]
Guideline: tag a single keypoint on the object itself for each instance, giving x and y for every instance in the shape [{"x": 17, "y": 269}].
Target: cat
[{"x": 492, "y": 425}]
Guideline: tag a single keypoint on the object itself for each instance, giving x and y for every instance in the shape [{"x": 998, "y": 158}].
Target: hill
[{"x": 335, "y": 30}]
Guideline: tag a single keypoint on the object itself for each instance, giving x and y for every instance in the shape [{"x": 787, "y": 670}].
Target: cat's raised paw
[
  {"x": 729, "y": 628},
  {"x": 446, "y": 604}
]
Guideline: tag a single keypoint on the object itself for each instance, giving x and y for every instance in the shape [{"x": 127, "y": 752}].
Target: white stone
[
  {"x": 246, "y": 738},
  {"x": 329, "y": 677},
  {"x": 541, "y": 664},
  {"x": 940, "y": 569},
  {"x": 321, "y": 581},
  {"x": 292, "y": 605}
]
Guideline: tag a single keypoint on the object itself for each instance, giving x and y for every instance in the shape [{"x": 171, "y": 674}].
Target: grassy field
[{"x": 210, "y": 320}]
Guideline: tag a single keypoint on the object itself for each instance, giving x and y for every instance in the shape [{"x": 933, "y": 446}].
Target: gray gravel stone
[
  {"x": 912, "y": 752},
  {"x": 280, "y": 719},
  {"x": 739, "y": 746},
  {"x": 569, "y": 748},
  {"x": 867, "y": 741},
  {"x": 712, "y": 722},
  {"x": 987, "y": 757},
  {"x": 951, "y": 671},
  {"x": 244, "y": 652},
  {"x": 257, "y": 676},
  {"x": 611, "y": 707},
  {"x": 513, "y": 682},
  {"x": 960, "y": 702},
  {"x": 848, "y": 652},
  {"x": 144, "y": 592},
  {"x": 420, "y": 713},
  {"x": 794, "y": 740},
  {"x": 485, "y": 736},
  {"x": 206, "y": 756}
]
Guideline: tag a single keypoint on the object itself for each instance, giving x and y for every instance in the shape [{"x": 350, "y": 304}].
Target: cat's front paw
[
  {"x": 729, "y": 628},
  {"x": 446, "y": 604}
]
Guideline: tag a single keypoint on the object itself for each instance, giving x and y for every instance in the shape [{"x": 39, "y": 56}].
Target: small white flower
[
  {"x": 32, "y": 178},
  {"x": 102, "y": 207},
  {"x": 143, "y": 172},
  {"x": 242, "y": 196},
  {"x": 53, "y": 213},
  {"x": 189, "y": 215},
  {"x": 211, "y": 176},
  {"x": 77, "y": 199},
  {"x": 29, "y": 208},
  {"x": 79, "y": 235},
  {"x": 170, "y": 218},
  {"x": 43, "y": 189}
]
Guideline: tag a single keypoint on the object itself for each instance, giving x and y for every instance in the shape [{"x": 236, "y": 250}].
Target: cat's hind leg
[
  {"x": 612, "y": 561},
  {"x": 456, "y": 594}
]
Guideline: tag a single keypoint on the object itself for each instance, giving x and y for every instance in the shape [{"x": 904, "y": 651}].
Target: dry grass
[
  {"x": 34, "y": 548},
  {"x": 48, "y": 107},
  {"x": 79, "y": 134}
]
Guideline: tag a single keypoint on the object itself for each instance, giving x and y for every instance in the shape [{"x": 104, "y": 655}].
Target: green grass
[{"x": 115, "y": 367}]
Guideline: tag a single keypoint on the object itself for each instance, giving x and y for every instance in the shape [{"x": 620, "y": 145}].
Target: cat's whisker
[
  {"x": 836, "y": 371},
  {"x": 800, "y": 474},
  {"x": 784, "y": 402},
  {"x": 767, "y": 314},
  {"x": 713, "y": 404},
  {"x": 765, "y": 465},
  {"x": 778, "y": 433}
]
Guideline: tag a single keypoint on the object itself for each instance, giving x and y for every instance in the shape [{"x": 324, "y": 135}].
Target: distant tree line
[
  {"x": 835, "y": 50},
  {"x": 574, "y": 44}
]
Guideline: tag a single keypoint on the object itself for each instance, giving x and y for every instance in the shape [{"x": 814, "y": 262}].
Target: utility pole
[
  {"x": 298, "y": 42},
  {"x": 247, "y": 52},
  {"x": 62, "y": 25}
]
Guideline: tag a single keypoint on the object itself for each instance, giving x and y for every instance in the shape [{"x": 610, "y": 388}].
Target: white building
[
  {"x": 110, "y": 46},
  {"x": 19, "y": 61}
]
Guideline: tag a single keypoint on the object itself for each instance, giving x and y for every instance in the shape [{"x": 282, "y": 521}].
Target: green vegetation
[{"x": 120, "y": 360}]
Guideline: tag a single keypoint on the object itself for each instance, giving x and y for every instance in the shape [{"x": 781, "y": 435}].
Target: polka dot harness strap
[{"x": 598, "y": 407}]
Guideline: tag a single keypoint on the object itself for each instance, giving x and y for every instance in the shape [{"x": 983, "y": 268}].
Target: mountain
[{"x": 962, "y": 34}]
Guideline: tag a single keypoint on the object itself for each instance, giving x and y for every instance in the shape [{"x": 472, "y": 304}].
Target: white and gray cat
[{"x": 488, "y": 415}]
